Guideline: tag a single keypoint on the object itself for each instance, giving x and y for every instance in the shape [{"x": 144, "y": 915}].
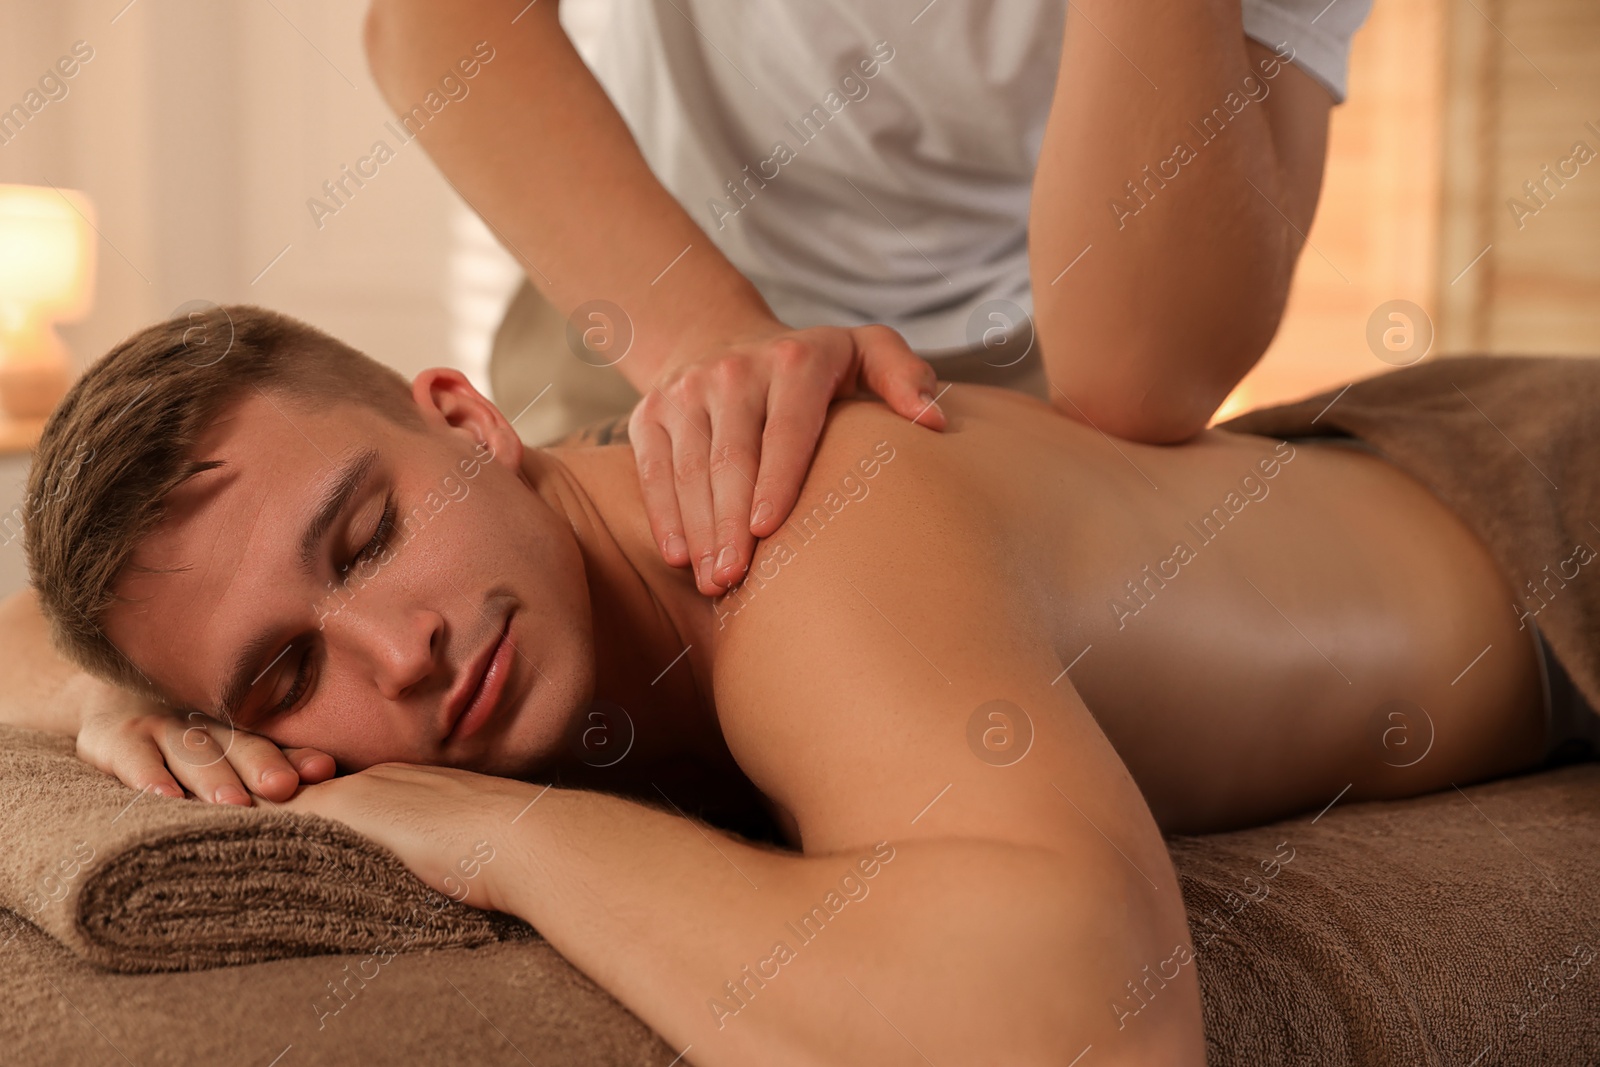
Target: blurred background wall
[
  {"x": 1454, "y": 105},
  {"x": 200, "y": 131}
]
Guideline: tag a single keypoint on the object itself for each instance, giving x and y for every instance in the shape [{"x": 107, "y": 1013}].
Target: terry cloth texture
[
  {"x": 1453, "y": 929},
  {"x": 137, "y": 882},
  {"x": 503, "y": 1005}
]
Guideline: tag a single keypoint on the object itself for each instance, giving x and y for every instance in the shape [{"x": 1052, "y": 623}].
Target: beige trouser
[{"x": 548, "y": 392}]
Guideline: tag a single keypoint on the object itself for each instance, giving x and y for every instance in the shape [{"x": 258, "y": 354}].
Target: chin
[{"x": 536, "y": 736}]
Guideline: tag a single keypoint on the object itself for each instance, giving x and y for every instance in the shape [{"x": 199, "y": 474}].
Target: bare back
[{"x": 1254, "y": 624}]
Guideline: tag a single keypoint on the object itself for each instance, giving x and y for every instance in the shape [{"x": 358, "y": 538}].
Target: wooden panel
[
  {"x": 1454, "y": 107},
  {"x": 1541, "y": 279}
]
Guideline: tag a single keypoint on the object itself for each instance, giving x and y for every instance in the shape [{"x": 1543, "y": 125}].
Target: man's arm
[
  {"x": 1000, "y": 927},
  {"x": 750, "y": 955},
  {"x": 737, "y": 953},
  {"x": 1192, "y": 224},
  {"x": 537, "y": 148},
  {"x": 733, "y": 399}
]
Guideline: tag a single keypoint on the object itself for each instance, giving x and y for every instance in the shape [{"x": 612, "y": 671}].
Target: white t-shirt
[{"x": 868, "y": 160}]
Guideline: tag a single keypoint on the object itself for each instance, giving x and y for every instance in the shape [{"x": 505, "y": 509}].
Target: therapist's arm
[
  {"x": 734, "y": 400},
  {"x": 1182, "y": 287}
]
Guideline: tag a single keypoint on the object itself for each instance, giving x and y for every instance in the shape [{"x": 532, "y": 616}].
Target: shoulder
[
  {"x": 851, "y": 658},
  {"x": 885, "y": 495},
  {"x": 873, "y": 475},
  {"x": 612, "y": 430}
]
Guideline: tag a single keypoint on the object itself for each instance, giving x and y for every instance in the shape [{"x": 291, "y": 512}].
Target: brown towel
[
  {"x": 1460, "y": 929},
  {"x": 147, "y": 883},
  {"x": 1512, "y": 445},
  {"x": 502, "y": 1005},
  {"x": 1429, "y": 931}
]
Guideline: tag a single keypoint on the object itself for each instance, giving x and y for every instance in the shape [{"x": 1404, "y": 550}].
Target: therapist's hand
[
  {"x": 725, "y": 435},
  {"x": 733, "y": 400}
]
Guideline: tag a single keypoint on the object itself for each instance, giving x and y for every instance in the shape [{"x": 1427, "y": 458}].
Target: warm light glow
[
  {"x": 46, "y": 254},
  {"x": 1242, "y": 399}
]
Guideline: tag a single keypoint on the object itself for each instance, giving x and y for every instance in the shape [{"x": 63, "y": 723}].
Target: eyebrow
[{"x": 339, "y": 490}]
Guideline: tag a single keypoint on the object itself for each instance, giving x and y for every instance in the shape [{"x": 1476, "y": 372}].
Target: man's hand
[
  {"x": 148, "y": 745},
  {"x": 724, "y": 437},
  {"x": 446, "y": 825}
]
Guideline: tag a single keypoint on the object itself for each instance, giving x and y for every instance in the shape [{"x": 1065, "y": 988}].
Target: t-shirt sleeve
[{"x": 1317, "y": 30}]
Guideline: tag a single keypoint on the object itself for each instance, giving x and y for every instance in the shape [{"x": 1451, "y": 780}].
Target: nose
[{"x": 399, "y": 643}]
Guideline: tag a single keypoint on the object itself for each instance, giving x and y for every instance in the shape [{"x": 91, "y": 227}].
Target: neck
[{"x": 644, "y": 612}]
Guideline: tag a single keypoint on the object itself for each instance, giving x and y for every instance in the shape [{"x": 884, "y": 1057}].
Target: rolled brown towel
[{"x": 139, "y": 882}]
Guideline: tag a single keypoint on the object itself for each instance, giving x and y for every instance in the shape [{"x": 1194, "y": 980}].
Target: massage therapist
[{"x": 751, "y": 207}]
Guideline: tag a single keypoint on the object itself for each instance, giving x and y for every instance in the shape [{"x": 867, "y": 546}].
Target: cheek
[
  {"x": 500, "y": 535},
  {"x": 351, "y": 723}
]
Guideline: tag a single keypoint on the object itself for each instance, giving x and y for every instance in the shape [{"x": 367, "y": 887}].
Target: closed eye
[
  {"x": 380, "y": 535},
  {"x": 374, "y": 546},
  {"x": 297, "y": 689},
  {"x": 302, "y": 675}
]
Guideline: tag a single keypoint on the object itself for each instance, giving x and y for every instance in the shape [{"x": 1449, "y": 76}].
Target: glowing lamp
[{"x": 46, "y": 277}]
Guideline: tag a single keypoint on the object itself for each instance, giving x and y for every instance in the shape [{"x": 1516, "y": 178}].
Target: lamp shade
[{"x": 46, "y": 253}]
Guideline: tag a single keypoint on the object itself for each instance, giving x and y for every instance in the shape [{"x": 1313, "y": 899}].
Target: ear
[{"x": 448, "y": 400}]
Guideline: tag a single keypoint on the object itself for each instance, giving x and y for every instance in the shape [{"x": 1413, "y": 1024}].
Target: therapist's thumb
[{"x": 904, "y": 379}]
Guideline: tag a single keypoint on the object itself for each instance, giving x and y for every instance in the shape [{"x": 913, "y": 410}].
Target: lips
[{"x": 477, "y": 694}]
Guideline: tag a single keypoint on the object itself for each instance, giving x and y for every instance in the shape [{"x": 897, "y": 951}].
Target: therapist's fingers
[
  {"x": 679, "y": 410},
  {"x": 738, "y": 409},
  {"x": 652, "y": 451},
  {"x": 803, "y": 385},
  {"x": 691, "y": 479},
  {"x": 905, "y": 380}
]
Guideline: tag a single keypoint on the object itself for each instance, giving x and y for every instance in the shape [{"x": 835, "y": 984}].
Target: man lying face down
[{"x": 984, "y": 669}]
